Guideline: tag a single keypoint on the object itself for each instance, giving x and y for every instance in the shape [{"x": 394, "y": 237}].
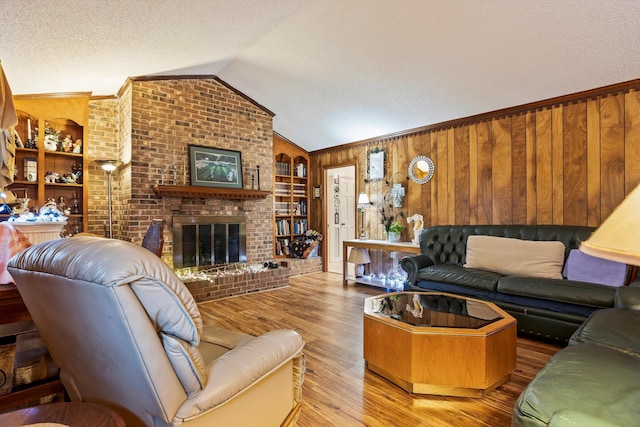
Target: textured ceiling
[{"x": 333, "y": 71}]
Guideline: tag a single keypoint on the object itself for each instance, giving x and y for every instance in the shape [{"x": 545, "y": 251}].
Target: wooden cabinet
[
  {"x": 51, "y": 161},
  {"x": 291, "y": 194},
  {"x": 30, "y": 377}
]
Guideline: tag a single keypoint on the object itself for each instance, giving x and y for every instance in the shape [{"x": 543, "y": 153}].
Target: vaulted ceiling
[{"x": 333, "y": 71}]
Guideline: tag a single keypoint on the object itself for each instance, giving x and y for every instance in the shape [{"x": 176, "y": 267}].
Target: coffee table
[{"x": 438, "y": 343}]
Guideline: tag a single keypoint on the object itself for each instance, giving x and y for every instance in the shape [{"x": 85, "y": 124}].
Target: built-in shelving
[
  {"x": 51, "y": 154},
  {"x": 291, "y": 195}
]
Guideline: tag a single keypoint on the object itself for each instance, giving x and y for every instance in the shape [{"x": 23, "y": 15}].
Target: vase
[{"x": 393, "y": 237}]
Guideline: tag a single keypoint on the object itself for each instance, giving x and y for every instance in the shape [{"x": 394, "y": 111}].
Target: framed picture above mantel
[{"x": 215, "y": 167}]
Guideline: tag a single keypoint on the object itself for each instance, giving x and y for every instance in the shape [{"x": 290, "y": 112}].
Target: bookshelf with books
[{"x": 291, "y": 192}]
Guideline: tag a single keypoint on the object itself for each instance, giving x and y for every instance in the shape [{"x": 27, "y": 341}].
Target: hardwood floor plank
[{"x": 338, "y": 389}]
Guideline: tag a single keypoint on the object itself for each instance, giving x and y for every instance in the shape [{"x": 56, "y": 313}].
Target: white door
[{"x": 341, "y": 211}]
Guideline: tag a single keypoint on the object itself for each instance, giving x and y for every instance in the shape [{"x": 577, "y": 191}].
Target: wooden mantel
[{"x": 188, "y": 191}]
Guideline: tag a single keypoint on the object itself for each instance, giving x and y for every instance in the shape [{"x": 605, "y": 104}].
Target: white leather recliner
[{"x": 126, "y": 333}]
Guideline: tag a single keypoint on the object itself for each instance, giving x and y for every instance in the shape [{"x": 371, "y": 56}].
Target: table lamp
[
  {"x": 360, "y": 257},
  {"x": 618, "y": 237},
  {"x": 363, "y": 202}
]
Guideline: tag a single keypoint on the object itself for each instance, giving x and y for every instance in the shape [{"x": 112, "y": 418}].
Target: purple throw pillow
[{"x": 586, "y": 268}]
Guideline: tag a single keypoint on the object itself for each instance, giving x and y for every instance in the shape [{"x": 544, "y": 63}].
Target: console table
[{"x": 384, "y": 245}]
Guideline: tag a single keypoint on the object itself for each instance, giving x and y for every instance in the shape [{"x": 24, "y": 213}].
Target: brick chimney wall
[{"x": 156, "y": 122}]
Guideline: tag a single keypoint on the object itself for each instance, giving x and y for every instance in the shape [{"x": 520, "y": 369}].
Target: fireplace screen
[{"x": 200, "y": 241}]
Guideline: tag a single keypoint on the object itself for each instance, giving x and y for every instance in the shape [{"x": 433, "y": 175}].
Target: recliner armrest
[
  {"x": 413, "y": 264},
  {"x": 628, "y": 297},
  {"x": 241, "y": 367}
]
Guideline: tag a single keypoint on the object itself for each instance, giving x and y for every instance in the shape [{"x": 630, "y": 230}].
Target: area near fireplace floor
[{"x": 245, "y": 283}]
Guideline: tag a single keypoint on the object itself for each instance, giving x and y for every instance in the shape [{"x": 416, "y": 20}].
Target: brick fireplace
[
  {"x": 149, "y": 126},
  {"x": 160, "y": 119}
]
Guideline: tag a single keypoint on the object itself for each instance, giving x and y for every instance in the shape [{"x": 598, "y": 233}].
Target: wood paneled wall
[{"x": 570, "y": 160}]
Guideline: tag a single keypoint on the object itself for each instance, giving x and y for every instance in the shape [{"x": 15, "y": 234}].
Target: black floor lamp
[{"x": 109, "y": 166}]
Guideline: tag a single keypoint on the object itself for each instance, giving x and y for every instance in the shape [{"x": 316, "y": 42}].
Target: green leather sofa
[
  {"x": 594, "y": 381},
  {"x": 547, "y": 308}
]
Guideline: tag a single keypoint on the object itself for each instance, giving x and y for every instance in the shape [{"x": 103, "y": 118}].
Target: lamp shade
[
  {"x": 359, "y": 256},
  {"x": 109, "y": 165},
  {"x": 618, "y": 237},
  {"x": 363, "y": 200}
]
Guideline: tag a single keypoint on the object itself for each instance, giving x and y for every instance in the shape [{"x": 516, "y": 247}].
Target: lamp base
[{"x": 359, "y": 270}]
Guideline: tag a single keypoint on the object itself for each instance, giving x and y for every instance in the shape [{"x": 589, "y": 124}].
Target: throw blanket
[{"x": 12, "y": 241}]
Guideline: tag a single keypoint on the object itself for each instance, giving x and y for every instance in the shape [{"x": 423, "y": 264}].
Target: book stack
[
  {"x": 282, "y": 189},
  {"x": 300, "y": 170},
  {"x": 282, "y": 227},
  {"x": 283, "y": 168},
  {"x": 299, "y": 190}
]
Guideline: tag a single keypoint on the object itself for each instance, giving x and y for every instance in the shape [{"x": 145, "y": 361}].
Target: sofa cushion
[
  {"x": 569, "y": 418},
  {"x": 583, "y": 293},
  {"x": 587, "y": 378},
  {"x": 516, "y": 257},
  {"x": 611, "y": 327},
  {"x": 587, "y": 268},
  {"x": 459, "y": 275},
  {"x": 529, "y": 306}
]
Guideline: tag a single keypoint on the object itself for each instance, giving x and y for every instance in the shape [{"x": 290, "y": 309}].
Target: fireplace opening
[{"x": 206, "y": 240}]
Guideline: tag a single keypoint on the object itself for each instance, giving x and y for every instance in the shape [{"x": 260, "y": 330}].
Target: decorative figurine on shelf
[
  {"x": 50, "y": 205},
  {"x": 4, "y": 208},
  {"x": 70, "y": 178},
  {"x": 51, "y": 177},
  {"x": 62, "y": 206},
  {"x": 77, "y": 146},
  {"x": 77, "y": 167},
  {"x": 31, "y": 137},
  {"x": 67, "y": 144},
  {"x": 31, "y": 143},
  {"x": 17, "y": 140},
  {"x": 418, "y": 226},
  {"x": 75, "y": 205},
  {"x": 51, "y": 139},
  {"x": 24, "y": 203}
]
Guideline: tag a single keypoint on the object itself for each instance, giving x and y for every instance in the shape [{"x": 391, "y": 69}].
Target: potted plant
[
  {"x": 394, "y": 230},
  {"x": 392, "y": 227}
]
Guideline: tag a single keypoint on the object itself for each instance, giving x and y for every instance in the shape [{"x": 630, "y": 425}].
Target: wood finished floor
[{"x": 338, "y": 389}]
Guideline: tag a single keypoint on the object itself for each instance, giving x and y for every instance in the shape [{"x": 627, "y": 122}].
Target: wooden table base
[
  {"x": 65, "y": 413},
  {"x": 439, "y": 360}
]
